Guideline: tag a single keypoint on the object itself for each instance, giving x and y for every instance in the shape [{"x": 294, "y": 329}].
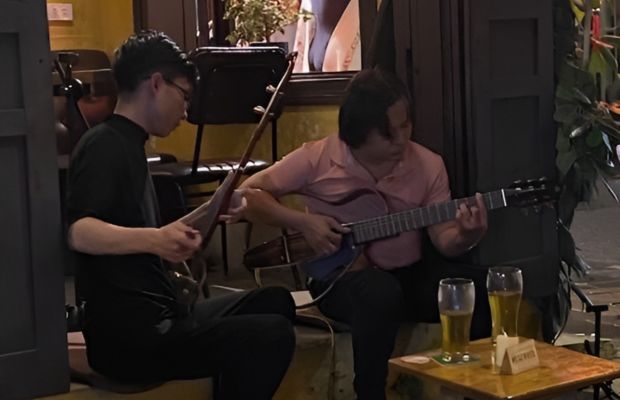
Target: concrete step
[{"x": 197, "y": 389}]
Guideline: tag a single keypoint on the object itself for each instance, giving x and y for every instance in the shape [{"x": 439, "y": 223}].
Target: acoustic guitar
[{"x": 289, "y": 249}]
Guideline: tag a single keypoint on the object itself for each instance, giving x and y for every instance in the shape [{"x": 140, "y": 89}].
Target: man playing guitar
[{"x": 372, "y": 168}]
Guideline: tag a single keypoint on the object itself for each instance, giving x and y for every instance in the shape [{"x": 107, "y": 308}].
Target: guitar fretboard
[{"x": 404, "y": 221}]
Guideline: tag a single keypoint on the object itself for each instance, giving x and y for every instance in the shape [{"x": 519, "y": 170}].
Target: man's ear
[{"x": 155, "y": 82}]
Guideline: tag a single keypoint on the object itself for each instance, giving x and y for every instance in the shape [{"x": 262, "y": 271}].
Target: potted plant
[
  {"x": 256, "y": 20},
  {"x": 587, "y": 132}
]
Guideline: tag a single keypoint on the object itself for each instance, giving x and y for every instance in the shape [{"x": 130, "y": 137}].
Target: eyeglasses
[{"x": 187, "y": 96}]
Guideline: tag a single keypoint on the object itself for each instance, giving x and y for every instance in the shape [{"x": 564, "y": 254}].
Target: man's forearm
[
  {"x": 264, "y": 208},
  {"x": 451, "y": 243},
  {"x": 93, "y": 236}
]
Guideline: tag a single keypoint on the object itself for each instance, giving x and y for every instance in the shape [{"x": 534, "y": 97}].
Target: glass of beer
[
  {"x": 456, "y": 298},
  {"x": 504, "y": 285}
]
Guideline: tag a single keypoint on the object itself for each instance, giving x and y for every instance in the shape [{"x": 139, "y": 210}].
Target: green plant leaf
[
  {"x": 610, "y": 59},
  {"x": 566, "y": 245},
  {"x": 565, "y": 161},
  {"x": 611, "y": 39},
  {"x": 565, "y": 92},
  {"x": 257, "y": 20},
  {"x": 566, "y": 113},
  {"x": 580, "y": 130},
  {"x": 594, "y": 138},
  {"x": 581, "y": 267},
  {"x": 598, "y": 64},
  {"x": 589, "y": 173},
  {"x": 610, "y": 189},
  {"x": 610, "y": 127},
  {"x": 605, "y": 137},
  {"x": 562, "y": 142},
  {"x": 580, "y": 96},
  {"x": 582, "y": 81}
]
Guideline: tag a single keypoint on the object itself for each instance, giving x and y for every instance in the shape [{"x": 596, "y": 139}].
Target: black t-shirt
[{"x": 128, "y": 297}]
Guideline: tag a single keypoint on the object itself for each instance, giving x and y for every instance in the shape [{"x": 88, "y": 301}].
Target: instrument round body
[
  {"x": 283, "y": 250},
  {"x": 294, "y": 249}
]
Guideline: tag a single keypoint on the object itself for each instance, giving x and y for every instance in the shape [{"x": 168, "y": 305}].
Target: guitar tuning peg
[
  {"x": 260, "y": 110},
  {"x": 270, "y": 89}
]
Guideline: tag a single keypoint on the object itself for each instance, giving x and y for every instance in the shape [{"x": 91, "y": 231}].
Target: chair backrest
[
  {"x": 88, "y": 59},
  {"x": 233, "y": 81},
  {"x": 170, "y": 197}
]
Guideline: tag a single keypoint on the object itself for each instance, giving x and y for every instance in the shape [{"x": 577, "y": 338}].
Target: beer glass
[
  {"x": 456, "y": 298},
  {"x": 504, "y": 285}
]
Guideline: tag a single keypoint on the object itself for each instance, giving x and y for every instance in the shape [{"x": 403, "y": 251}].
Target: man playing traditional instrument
[{"x": 135, "y": 327}]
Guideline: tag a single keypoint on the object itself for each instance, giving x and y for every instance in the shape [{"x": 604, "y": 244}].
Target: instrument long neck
[{"x": 404, "y": 221}]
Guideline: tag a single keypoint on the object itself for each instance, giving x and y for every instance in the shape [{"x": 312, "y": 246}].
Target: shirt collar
[
  {"x": 339, "y": 152},
  {"x": 133, "y": 131},
  {"x": 341, "y": 155}
]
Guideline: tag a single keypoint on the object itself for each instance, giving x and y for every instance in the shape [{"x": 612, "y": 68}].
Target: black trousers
[
  {"x": 374, "y": 302},
  {"x": 244, "y": 340}
]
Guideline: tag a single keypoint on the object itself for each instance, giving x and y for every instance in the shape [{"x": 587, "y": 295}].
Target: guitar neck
[{"x": 393, "y": 224}]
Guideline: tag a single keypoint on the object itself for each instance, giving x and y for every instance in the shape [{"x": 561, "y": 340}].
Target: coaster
[
  {"x": 473, "y": 358},
  {"x": 415, "y": 359}
]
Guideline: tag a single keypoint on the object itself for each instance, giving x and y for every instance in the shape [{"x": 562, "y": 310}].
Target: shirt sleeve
[
  {"x": 292, "y": 173},
  {"x": 95, "y": 174},
  {"x": 439, "y": 184}
]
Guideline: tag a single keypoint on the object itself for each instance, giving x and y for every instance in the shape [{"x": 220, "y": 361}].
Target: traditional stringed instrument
[
  {"x": 189, "y": 280},
  {"x": 293, "y": 248}
]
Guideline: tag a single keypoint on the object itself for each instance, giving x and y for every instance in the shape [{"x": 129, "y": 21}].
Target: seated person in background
[
  {"x": 135, "y": 328},
  {"x": 330, "y": 40},
  {"x": 372, "y": 168}
]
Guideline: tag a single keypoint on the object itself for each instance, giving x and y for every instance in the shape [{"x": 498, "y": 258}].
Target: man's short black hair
[
  {"x": 364, "y": 107},
  {"x": 147, "y": 52}
]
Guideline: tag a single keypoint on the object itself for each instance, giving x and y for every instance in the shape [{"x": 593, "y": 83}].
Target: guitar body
[{"x": 294, "y": 249}]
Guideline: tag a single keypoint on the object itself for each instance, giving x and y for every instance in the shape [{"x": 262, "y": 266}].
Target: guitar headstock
[{"x": 531, "y": 192}]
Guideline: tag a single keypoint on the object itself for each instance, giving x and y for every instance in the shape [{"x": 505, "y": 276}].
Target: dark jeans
[
  {"x": 245, "y": 339},
  {"x": 374, "y": 302}
]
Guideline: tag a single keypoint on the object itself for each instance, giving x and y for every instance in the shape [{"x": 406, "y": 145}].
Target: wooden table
[{"x": 560, "y": 371}]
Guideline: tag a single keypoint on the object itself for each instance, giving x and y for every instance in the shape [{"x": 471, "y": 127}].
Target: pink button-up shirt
[{"x": 333, "y": 183}]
